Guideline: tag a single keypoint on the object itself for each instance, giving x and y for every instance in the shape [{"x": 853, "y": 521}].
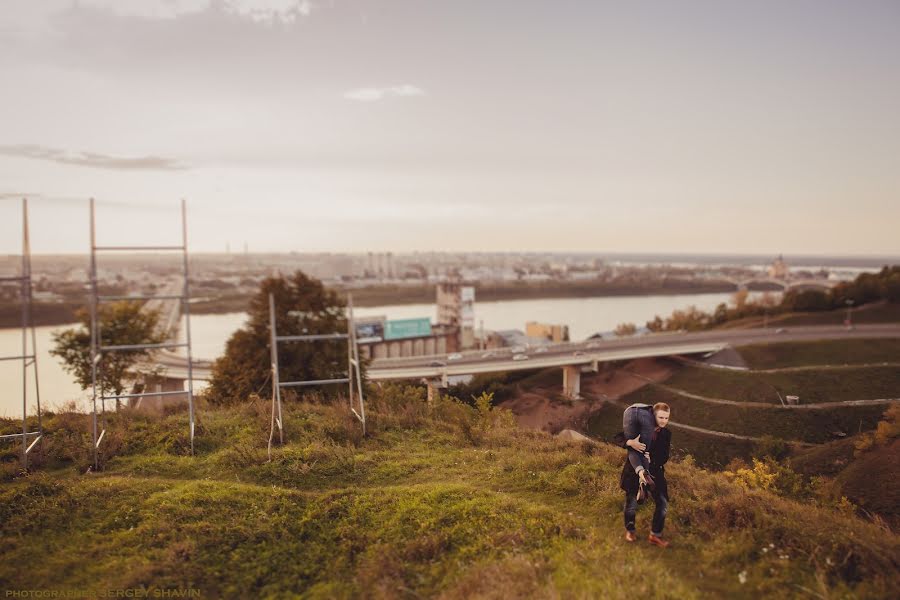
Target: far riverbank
[{"x": 379, "y": 295}]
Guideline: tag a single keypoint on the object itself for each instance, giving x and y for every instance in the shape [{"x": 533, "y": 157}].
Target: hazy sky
[{"x": 714, "y": 126}]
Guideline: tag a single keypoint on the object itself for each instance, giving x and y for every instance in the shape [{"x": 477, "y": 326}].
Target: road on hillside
[{"x": 589, "y": 351}]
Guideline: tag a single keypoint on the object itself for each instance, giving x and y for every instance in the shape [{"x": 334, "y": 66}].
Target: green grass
[
  {"x": 813, "y": 386},
  {"x": 708, "y": 451},
  {"x": 828, "y": 459},
  {"x": 449, "y": 500},
  {"x": 824, "y": 352},
  {"x": 876, "y": 312},
  {"x": 813, "y": 425},
  {"x": 872, "y": 481}
]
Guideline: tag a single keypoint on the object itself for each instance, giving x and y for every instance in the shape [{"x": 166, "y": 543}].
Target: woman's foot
[
  {"x": 629, "y": 536},
  {"x": 645, "y": 478},
  {"x": 655, "y": 540}
]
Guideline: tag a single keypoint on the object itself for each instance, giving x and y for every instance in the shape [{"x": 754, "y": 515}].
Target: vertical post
[
  {"x": 29, "y": 300},
  {"x": 349, "y": 353},
  {"x": 94, "y": 357},
  {"x": 186, "y": 306},
  {"x": 362, "y": 406},
  {"x": 26, "y": 283},
  {"x": 483, "y": 341},
  {"x": 276, "y": 376}
]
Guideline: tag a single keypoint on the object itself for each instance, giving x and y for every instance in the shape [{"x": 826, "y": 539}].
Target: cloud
[
  {"x": 371, "y": 94},
  {"x": 149, "y": 9},
  {"x": 267, "y": 12},
  {"x": 16, "y": 195},
  {"x": 92, "y": 159}
]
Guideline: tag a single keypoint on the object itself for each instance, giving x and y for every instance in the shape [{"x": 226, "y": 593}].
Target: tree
[
  {"x": 739, "y": 299},
  {"x": 656, "y": 324},
  {"x": 121, "y": 323},
  {"x": 302, "y": 306},
  {"x": 625, "y": 329},
  {"x": 806, "y": 300}
]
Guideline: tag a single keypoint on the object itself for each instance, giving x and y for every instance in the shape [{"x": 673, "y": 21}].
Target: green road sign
[{"x": 407, "y": 328}]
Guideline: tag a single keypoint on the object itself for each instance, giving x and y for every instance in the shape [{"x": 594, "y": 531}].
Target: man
[{"x": 656, "y": 455}]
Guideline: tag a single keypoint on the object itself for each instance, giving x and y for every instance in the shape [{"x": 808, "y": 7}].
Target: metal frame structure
[
  {"x": 352, "y": 367},
  {"x": 97, "y": 347},
  {"x": 27, "y": 359}
]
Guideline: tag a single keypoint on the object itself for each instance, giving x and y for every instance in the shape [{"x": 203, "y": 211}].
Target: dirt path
[
  {"x": 707, "y": 365},
  {"x": 815, "y": 405}
]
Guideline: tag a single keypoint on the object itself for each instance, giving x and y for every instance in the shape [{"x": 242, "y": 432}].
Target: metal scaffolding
[
  {"x": 354, "y": 374},
  {"x": 97, "y": 347},
  {"x": 28, "y": 359}
]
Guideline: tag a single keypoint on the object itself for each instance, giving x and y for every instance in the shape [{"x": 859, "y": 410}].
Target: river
[{"x": 584, "y": 316}]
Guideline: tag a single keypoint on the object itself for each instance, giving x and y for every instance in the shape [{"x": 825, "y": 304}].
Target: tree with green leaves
[
  {"x": 121, "y": 323},
  {"x": 303, "y": 306}
]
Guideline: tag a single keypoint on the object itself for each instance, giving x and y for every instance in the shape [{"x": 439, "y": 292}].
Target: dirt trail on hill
[
  {"x": 811, "y": 406},
  {"x": 544, "y": 409}
]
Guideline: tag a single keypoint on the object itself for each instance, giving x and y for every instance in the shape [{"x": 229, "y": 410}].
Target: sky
[{"x": 711, "y": 126}]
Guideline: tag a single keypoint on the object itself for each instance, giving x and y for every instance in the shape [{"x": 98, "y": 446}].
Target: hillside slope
[{"x": 446, "y": 501}]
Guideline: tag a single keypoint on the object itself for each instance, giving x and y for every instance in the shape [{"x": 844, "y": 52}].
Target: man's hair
[{"x": 661, "y": 406}]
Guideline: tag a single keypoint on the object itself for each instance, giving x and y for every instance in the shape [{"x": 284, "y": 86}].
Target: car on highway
[
  {"x": 517, "y": 349},
  {"x": 437, "y": 363},
  {"x": 540, "y": 350},
  {"x": 578, "y": 353},
  {"x": 454, "y": 356},
  {"x": 593, "y": 345},
  {"x": 520, "y": 357},
  {"x": 488, "y": 355},
  {"x": 781, "y": 330}
]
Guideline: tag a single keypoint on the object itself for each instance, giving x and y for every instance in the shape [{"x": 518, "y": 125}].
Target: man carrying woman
[{"x": 648, "y": 441}]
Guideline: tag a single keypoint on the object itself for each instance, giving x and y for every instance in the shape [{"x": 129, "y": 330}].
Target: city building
[
  {"x": 778, "y": 269},
  {"x": 551, "y": 333},
  {"x": 456, "y": 309},
  {"x": 381, "y": 338}
]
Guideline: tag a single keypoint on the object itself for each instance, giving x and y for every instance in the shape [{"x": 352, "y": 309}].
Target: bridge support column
[
  {"x": 155, "y": 404},
  {"x": 434, "y": 389},
  {"x": 572, "y": 382}
]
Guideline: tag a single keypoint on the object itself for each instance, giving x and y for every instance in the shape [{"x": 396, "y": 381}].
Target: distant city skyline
[{"x": 349, "y": 126}]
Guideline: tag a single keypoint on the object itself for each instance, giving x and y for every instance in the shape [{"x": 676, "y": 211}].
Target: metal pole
[
  {"x": 362, "y": 407},
  {"x": 29, "y": 301},
  {"x": 276, "y": 376},
  {"x": 93, "y": 308},
  {"x": 349, "y": 352},
  {"x": 186, "y": 305},
  {"x": 26, "y": 282}
]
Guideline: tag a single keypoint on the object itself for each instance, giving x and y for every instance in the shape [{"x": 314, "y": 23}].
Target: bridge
[
  {"x": 171, "y": 367},
  {"x": 784, "y": 284},
  {"x": 574, "y": 358}
]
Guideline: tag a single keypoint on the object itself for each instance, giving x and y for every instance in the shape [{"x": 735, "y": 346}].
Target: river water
[{"x": 584, "y": 316}]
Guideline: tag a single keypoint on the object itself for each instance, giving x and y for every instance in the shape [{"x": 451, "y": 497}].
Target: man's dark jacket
[{"x": 659, "y": 456}]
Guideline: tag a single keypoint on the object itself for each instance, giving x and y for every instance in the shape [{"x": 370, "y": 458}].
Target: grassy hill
[
  {"x": 875, "y": 312},
  {"x": 812, "y": 386},
  {"x": 822, "y": 352},
  {"x": 447, "y": 501}
]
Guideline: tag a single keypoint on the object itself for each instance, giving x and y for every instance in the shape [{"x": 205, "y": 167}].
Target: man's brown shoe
[
  {"x": 630, "y": 537},
  {"x": 657, "y": 541}
]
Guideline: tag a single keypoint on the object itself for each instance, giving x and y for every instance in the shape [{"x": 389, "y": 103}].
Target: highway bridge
[
  {"x": 784, "y": 284},
  {"x": 574, "y": 357}
]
